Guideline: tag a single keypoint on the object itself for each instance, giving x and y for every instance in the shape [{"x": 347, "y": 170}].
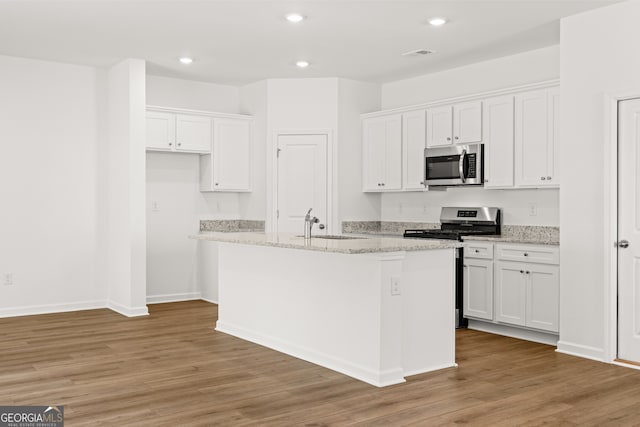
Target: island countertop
[{"x": 348, "y": 245}]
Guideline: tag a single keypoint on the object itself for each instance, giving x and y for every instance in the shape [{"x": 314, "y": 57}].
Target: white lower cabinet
[
  {"x": 522, "y": 288},
  {"x": 478, "y": 288}
]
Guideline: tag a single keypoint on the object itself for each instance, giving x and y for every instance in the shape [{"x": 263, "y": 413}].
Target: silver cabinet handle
[
  {"x": 477, "y": 251},
  {"x": 216, "y": 184},
  {"x": 457, "y": 138},
  {"x": 542, "y": 178},
  {"x": 461, "y": 166},
  {"x": 624, "y": 244},
  {"x": 528, "y": 272},
  {"x": 448, "y": 138},
  {"x": 548, "y": 178},
  {"x": 526, "y": 254},
  {"x": 179, "y": 144},
  {"x": 170, "y": 144},
  {"x": 521, "y": 271}
]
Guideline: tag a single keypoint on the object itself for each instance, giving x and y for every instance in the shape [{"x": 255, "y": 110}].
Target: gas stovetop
[{"x": 459, "y": 222}]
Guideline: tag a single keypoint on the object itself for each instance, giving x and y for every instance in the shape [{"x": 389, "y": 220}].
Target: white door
[
  {"x": 629, "y": 230},
  {"x": 302, "y": 181}
]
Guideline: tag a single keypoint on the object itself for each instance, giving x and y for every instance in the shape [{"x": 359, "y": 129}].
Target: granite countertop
[
  {"x": 352, "y": 245},
  {"x": 536, "y": 235}
]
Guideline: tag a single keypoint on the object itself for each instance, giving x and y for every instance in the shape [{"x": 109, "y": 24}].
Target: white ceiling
[{"x": 240, "y": 41}]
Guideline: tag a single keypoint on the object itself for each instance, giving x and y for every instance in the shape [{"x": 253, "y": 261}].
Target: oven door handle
[{"x": 463, "y": 178}]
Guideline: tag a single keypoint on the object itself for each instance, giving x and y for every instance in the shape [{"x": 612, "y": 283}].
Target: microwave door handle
[{"x": 461, "y": 166}]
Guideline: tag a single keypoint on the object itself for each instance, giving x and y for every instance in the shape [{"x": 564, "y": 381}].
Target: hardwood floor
[{"x": 172, "y": 368}]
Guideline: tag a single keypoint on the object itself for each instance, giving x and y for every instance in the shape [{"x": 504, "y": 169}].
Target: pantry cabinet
[
  {"x": 454, "y": 124},
  {"x": 178, "y": 132},
  {"x": 382, "y": 153},
  {"x": 413, "y": 145},
  {"x": 498, "y": 125},
  {"x": 537, "y": 138},
  {"x": 228, "y": 168}
]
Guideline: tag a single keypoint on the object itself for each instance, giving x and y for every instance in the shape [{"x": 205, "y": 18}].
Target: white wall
[
  {"x": 511, "y": 71},
  {"x": 173, "y": 186},
  {"x": 125, "y": 189},
  {"x": 599, "y": 58},
  {"x": 178, "y": 93},
  {"x": 48, "y": 180},
  {"x": 514, "y": 70},
  {"x": 425, "y": 207}
]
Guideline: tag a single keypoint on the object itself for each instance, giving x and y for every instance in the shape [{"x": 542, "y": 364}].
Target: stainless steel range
[{"x": 455, "y": 224}]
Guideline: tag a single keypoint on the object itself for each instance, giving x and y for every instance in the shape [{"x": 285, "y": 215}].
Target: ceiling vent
[{"x": 419, "y": 52}]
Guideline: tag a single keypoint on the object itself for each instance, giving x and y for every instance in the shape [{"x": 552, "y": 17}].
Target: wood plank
[{"x": 173, "y": 368}]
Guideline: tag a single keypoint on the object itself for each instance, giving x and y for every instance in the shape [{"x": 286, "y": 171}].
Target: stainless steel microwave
[{"x": 454, "y": 165}]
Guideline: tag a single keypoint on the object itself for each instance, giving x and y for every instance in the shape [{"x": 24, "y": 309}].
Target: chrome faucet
[{"x": 308, "y": 223}]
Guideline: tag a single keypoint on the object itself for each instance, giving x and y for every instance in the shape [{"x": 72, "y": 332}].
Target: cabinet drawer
[
  {"x": 478, "y": 250},
  {"x": 527, "y": 253}
]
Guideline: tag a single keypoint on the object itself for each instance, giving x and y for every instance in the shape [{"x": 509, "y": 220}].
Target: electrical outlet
[
  {"x": 7, "y": 279},
  {"x": 395, "y": 285},
  {"x": 533, "y": 209}
]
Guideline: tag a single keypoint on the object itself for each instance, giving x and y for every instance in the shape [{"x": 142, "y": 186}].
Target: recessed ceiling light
[
  {"x": 436, "y": 22},
  {"x": 186, "y": 60},
  {"x": 294, "y": 17},
  {"x": 302, "y": 64}
]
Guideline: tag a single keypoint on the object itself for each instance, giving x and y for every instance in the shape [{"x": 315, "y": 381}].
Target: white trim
[
  {"x": 51, "y": 308},
  {"x": 514, "y": 332},
  {"x": 127, "y": 311},
  {"x": 271, "y": 222},
  {"x": 161, "y": 299},
  {"x": 626, "y": 365},
  {"x": 465, "y": 98},
  {"x": 580, "y": 350},
  {"x": 209, "y": 300},
  {"x": 362, "y": 373},
  {"x": 197, "y": 112}
]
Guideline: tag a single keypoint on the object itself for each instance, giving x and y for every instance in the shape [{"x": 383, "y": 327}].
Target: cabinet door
[
  {"x": 382, "y": 153},
  {"x": 511, "y": 293},
  {"x": 478, "y": 288},
  {"x": 543, "y": 288},
  {"x": 536, "y": 131},
  {"x": 232, "y": 155},
  {"x": 439, "y": 126},
  {"x": 498, "y": 142},
  {"x": 467, "y": 122},
  {"x": 161, "y": 131},
  {"x": 553, "y": 148},
  {"x": 193, "y": 133},
  {"x": 413, "y": 145}
]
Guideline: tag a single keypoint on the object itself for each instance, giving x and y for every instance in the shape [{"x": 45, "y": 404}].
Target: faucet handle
[{"x": 309, "y": 211}]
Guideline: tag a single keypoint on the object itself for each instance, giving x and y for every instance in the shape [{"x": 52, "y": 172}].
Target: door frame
[
  {"x": 271, "y": 224},
  {"x": 610, "y": 208}
]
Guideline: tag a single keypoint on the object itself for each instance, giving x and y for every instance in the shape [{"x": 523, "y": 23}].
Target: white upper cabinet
[
  {"x": 228, "y": 168},
  {"x": 498, "y": 123},
  {"x": 467, "y": 123},
  {"x": 178, "y": 132},
  {"x": 413, "y": 145},
  {"x": 439, "y": 126},
  {"x": 536, "y": 138},
  {"x": 382, "y": 153},
  {"x": 454, "y": 124}
]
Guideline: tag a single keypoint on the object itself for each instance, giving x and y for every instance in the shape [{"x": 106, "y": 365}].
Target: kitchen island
[{"x": 376, "y": 309}]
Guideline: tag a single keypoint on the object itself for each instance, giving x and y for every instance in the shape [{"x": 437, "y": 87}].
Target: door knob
[
  {"x": 321, "y": 226},
  {"x": 623, "y": 244}
]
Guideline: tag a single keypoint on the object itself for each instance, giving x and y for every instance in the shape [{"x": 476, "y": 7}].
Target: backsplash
[{"x": 230, "y": 225}]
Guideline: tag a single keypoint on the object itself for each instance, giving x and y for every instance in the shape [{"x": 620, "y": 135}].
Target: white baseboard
[
  {"x": 128, "y": 311},
  {"x": 580, "y": 350},
  {"x": 508, "y": 331},
  {"x": 161, "y": 299},
  {"x": 51, "y": 308},
  {"x": 209, "y": 300},
  {"x": 378, "y": 379}
]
